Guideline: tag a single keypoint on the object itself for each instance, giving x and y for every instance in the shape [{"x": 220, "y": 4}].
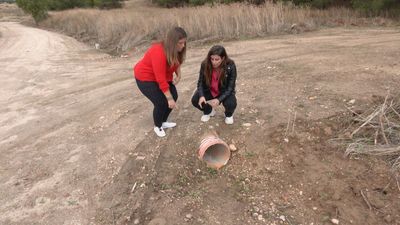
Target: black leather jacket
[{"x": 228, "y": 86}]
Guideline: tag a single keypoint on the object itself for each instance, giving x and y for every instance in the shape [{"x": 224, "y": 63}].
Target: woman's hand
[
  {"x": 171, "y": 104},
  {"x": 176, "y": 80},
  {"x": 214, "y": 102},
  {"x": 201, "y": 101}
]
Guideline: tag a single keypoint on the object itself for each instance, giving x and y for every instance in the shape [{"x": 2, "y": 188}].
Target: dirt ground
[{"x": 77, "y": 145}]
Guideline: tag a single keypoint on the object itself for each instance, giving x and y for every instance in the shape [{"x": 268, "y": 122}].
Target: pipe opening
[
  {"x": 214, "y": 151},
  {"x": 216, "y": 154}
]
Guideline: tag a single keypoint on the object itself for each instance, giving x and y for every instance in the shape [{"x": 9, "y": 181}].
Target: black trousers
[
  {"x": 229, "y": 103},
  {"x": 151, "y": 90}
]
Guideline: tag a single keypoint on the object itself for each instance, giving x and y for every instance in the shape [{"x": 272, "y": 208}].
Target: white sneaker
[
  {"x": 167, "y": 124},
  {"x": 205, "y": 118},
  {"x": 229, "y": 120},
  {"x": 159, "y": 131}
]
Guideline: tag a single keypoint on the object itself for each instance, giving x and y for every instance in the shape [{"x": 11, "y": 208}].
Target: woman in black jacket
[{"x": 216, "y": 85}]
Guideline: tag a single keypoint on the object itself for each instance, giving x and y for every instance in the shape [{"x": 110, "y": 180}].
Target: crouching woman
[{"x": 216, "y": 85}]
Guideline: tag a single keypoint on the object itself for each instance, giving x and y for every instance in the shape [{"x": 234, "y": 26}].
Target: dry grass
[
  {"x": 122, "y": 29},
  {"x": 10, "y": 12},
  {"x": 377, "y": 131}
]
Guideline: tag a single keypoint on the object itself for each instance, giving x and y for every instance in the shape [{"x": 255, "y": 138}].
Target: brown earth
[{"x": 77, "y": 145}]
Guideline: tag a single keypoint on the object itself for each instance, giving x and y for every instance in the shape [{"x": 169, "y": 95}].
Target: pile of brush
[{"x": 377, "y": 131}]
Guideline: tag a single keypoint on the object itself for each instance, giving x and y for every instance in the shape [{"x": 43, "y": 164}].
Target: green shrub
[
  {"x": 375, "y": 7},
  {"x": 37, "y": 8},
  {"x": 172, "y": 3},
  {"x": 198, "y": 2}
]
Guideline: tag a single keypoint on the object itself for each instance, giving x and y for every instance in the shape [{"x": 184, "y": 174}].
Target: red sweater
[{"x": 154, "y": 67}]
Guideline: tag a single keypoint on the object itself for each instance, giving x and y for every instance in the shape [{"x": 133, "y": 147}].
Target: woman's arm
[
  {"x": 200, "y": 88},
  {"x": 178, "y": 76},
  {"x": 231, "y": 82},
  {"x": 170, "y": 99}
]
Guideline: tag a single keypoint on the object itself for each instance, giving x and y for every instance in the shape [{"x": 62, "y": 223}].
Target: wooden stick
[
  {"x": 369, "y": 118},
  {"x": 398, "y": 114},
  {"x": 383, "y": 130},
  {"x": 366, "y": 200},
  {"x": 376, "y": 137},
  {"x": 398, "y": 185},
  {"x": 133, "y": 188},
  {"x": 294, "y": 120},
  {"x": 288, "y": 125}
]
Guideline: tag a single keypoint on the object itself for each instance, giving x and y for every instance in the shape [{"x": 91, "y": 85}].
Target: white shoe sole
[{"x": 167, "y": 125}]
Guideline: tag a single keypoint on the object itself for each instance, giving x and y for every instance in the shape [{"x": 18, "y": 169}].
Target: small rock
[
  {"x": 247, "y": 124},
  {"x": 314, "y": 208},
  {"x": 388, "y": 219},
  {"x": 335, "y": 221},
  {"x": 136, "y": 221},
  {"x": 255, "y": 214},
  {"x": 260, "y": 217},
  {"x": 283, "y": 218},
  {"x": 189, "y": 216},
  {"x": 351, "y": 102},
  {"x": 232, "y": 147}
]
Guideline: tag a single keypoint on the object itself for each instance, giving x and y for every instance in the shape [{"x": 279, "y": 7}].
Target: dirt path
[
  {"x": 74, "y": 141},
  {"x": 61, "y": 106}
]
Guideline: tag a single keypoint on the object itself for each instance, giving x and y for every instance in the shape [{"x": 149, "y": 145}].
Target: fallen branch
[
  {"x": 398, "y": 185},
  {"x": 370, "y": 117},
  {"x": 366, "y": 200}
]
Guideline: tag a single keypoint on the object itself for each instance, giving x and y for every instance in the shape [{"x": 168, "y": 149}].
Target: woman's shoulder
[
  {"x": 157, "y": 45},
  {"x": 156, "y": 48},
  {"x": 230, "y": 64}
]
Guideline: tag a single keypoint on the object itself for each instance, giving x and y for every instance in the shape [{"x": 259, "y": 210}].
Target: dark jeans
[
  {"x": 151, "y": 90},
  {"x": 229, "y": 103}
]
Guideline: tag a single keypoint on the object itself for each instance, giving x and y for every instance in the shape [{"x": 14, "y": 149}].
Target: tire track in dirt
[{"x": 62, "y": 114}]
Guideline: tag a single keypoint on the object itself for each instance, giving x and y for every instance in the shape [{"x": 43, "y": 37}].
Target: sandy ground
[{"x": 76, "y": 135}]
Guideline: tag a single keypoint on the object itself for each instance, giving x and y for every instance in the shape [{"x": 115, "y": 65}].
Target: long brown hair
[
  {"x": 170, "y": 46},
  {"x": 208, "y": 68}
]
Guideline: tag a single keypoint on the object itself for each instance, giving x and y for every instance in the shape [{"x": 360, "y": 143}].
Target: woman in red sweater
[{"x": 154, "y": 76}]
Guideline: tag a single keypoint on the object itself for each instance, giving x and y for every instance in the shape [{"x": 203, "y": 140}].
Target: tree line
[{"x": 38, "y": 8}]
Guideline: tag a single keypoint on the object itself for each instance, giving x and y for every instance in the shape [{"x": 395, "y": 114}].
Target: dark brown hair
[{"x": 208, "y": 68}]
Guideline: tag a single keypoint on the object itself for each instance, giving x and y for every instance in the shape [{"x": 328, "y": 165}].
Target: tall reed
[{"x": 122, "y": 29}]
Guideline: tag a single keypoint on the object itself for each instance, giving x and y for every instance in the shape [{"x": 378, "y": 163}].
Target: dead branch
[
  {"x": 383, "y": 130},
  {"x": 398, "y": 185},
  {"x": 366, "y": 200},
  {"x": 398, "y": 114},
  {"x": 369, "y": 118}
]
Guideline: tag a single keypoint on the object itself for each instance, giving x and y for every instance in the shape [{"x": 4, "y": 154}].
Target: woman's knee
[
  {"x": 195, "y": 99},
  {"x": 230, "y": 103}
]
